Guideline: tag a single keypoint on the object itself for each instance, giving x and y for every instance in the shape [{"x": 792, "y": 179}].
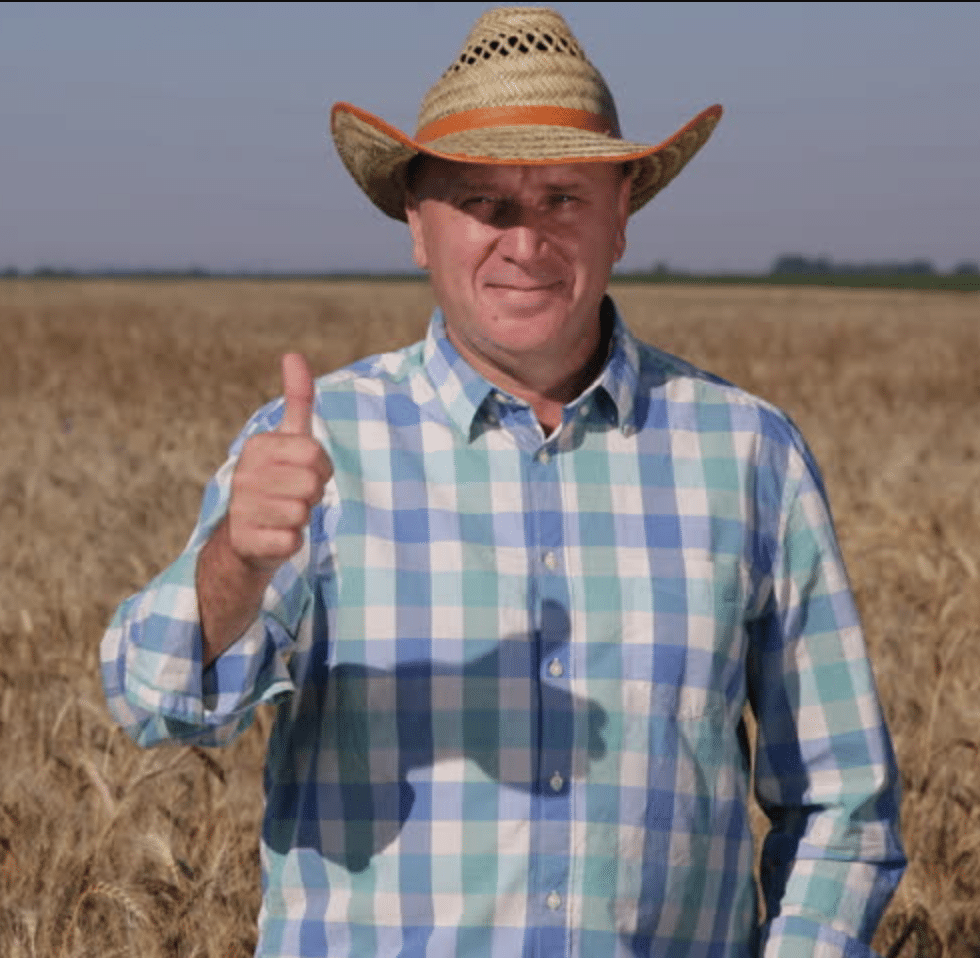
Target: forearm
[
  {"x": 229, "y": 594},
  {"x": 190, "y": 656},
  {"x": 151, "y": 666},
  {"x": 156, "y": 684},
  {"x": 826, "y": 777},
  {"x": 830, "y": 909}
]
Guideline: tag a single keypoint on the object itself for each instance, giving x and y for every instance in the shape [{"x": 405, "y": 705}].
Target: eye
[
  {"x": 561, "y": 200},
  {"x": 478, "y": 201},
  {"x": 485, "y": 207}
]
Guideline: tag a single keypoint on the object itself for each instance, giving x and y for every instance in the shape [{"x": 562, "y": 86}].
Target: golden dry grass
[{"x": 119, "y": 400}]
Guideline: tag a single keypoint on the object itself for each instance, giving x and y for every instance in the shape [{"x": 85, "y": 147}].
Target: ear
[
  {"x": 415, "y": 229},
  {"x": 623, "y": 215}
]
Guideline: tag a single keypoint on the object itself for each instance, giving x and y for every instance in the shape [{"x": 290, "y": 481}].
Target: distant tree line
[
  {"x": 66, "y": 272},
  {"x": 793, "y": 264},
  {"x": 191, "y": 272}
]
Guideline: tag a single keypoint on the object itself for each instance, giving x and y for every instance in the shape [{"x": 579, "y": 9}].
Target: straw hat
[{"x": 520, "y": 91}]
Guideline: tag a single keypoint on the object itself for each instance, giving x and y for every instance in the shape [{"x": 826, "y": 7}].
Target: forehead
[{"x": 435, "y": 174}]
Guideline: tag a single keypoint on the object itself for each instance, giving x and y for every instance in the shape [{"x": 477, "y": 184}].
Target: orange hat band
[{"x": 513, "y": 116}]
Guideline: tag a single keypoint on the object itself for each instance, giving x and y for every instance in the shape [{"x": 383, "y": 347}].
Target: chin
[{"x": 531, "y": 324}]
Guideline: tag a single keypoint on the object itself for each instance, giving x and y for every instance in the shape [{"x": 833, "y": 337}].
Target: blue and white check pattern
[{"x": 509, "y": 672}]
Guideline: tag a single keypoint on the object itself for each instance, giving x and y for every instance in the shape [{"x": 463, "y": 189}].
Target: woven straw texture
[
  {"x": 513, "y": 57},
  {"x": 519, "y": 55}
]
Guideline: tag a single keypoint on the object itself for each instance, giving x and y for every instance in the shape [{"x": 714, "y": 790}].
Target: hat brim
[{"x": 377, "y": 154}]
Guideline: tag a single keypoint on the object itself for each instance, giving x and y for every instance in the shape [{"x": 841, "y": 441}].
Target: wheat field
[{"x": 119, "y": 400}]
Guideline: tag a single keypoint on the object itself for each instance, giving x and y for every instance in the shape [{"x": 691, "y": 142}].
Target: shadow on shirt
[{"x": 375, "y": 738}]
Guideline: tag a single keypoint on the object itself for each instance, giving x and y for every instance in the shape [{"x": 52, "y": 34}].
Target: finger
[
  {"x": 297, "y": 387},
  {"x": 292, "y": 513},
  {"x": 266, "y": 548},
  {"x": 282, "y": 480}
]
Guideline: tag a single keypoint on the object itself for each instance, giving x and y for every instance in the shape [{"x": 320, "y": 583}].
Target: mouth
[{"x": 525, "y": 289}]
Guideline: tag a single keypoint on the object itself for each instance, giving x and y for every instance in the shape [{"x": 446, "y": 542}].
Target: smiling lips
[
  {"x": 520, "y": 288},
  {"x": 519, "y": 300}
]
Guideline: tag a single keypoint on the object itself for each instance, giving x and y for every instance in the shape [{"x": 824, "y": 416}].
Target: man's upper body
[
  {"x": 509, "y": 672},
  {"x": 510, "y": 592}
]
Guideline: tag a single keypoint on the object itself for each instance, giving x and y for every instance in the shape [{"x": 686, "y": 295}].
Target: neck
[
  {"x": 547, "y": 383},
  {"x": 548, "y": 403}
]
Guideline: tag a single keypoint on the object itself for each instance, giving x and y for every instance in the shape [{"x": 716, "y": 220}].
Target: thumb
[{"x": 297, "y": 387}]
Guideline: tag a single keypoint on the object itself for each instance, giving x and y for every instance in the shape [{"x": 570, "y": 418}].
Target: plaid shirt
[{"x": 509, "y": 672}]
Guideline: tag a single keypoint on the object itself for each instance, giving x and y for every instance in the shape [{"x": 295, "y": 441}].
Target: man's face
[{"x": 519, "y": 257}]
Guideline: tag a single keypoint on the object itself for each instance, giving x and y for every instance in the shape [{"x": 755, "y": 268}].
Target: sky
[{"x": 174, "y": 135}]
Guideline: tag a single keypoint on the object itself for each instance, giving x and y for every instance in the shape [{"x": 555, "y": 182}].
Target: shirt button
[
  {"x": 500, "y": 397},
  {"x": 554, "y": 901},
  {"x": 583, "y": 410},
  {"x": 544, "y": 457},
  {"x": 555, "y": 669},
  {"x": 551, "y": 560},
  {"x": 556, "y": 782}
]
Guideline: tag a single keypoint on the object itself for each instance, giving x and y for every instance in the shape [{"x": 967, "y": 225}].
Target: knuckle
[
  {"x": 312, "y": 488},
  {"x": 296, "y": 514},
  {"x": 308, "y": 450},
  {"x": 287, "y": 542}
]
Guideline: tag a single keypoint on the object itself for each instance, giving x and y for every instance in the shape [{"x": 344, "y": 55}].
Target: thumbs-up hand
[{"x": 279, "y": 478}]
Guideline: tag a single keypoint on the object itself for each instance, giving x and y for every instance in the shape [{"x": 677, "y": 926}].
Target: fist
[{"x": 279, "y": 478}]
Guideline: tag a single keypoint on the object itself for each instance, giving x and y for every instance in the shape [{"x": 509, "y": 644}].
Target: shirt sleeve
[
  {"x": 825, "y": 770},
  {"x": 152, "y": 671}
]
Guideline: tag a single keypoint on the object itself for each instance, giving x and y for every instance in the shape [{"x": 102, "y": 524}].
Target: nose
[
  {"x": 521, "y": 244},
  {"x": 522, "y": 237}
]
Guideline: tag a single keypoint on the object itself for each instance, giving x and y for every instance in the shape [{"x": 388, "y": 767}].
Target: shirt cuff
[{"x": 795, "y": 936}]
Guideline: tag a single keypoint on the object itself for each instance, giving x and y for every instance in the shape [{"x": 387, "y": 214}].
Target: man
[{"x": 511, "y": 589}]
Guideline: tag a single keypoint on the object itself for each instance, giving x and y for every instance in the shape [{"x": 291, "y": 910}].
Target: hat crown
[{"x": 519, "y": 56}]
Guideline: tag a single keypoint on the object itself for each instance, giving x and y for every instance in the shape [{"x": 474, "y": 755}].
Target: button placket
[{"x": 556, "y": 716}]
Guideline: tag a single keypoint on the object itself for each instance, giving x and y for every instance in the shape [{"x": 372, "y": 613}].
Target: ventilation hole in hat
[{"x": 503, "y": 43}]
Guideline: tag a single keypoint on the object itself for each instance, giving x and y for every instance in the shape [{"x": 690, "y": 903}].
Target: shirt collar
[{"x": 463, "y": 391}]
